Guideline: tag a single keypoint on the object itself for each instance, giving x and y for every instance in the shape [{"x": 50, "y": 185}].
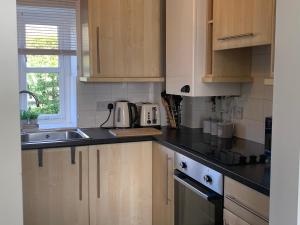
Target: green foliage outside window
[
  {"x": 46, "y": 88},
  {"x": 44, "y": 85}
]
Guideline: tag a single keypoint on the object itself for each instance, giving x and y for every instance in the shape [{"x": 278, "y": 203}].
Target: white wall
[
  {"x": 10, "y": 153},
  {"x": 286, "y": 115}
]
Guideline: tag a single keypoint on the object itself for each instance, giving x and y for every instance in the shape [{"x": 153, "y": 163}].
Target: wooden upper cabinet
[
  {"x": 121, "y": 184},
  {"x": 242, "y": 23},
  {"x": 55, "y": 191},
  {"x": 121, "y": 39},
  {"x": 189, "y": 50}
]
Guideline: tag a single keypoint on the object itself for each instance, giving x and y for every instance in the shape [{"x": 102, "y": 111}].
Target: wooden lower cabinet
[
  {"x": 121, "y": 184},
  {"x": 163, "y": 185},
  {"x": 56, "y": 191},
  {"x": 231, "y": 219},
  {"x": 245, "y": 203},
  {"x": 105, "y": 185}
]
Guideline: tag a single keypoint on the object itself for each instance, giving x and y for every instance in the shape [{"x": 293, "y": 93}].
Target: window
[{"x": 47, "y": 40}]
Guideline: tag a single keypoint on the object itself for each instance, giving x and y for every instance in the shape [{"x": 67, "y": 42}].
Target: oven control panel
[{"x": 199, "y": 172}]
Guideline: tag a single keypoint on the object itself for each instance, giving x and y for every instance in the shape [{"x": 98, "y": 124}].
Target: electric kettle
[{"x": 126, "y": 114}]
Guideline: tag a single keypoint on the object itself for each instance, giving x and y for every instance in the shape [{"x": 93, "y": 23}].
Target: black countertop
[{"x": 192, "y": 143}]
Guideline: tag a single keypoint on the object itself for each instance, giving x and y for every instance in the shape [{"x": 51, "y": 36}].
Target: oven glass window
[{"x": 192, "y": 209}]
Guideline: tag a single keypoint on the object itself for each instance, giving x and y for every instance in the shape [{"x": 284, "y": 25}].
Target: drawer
[
  {"x": 245, "y": 202},
  {"x": 231, "y": 219}
]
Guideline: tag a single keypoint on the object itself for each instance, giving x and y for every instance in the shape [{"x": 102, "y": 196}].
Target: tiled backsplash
[
  {"x": 194, "y": 111},
  {"x": 256, "y": 101},
  {"x": 91, "y": 95}
]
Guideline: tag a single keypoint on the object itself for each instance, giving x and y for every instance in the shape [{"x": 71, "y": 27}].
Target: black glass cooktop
[{"x": 233, "y": 151}]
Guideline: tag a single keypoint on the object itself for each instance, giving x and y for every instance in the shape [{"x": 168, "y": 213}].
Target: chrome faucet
[{"x": 37, "y": 102}]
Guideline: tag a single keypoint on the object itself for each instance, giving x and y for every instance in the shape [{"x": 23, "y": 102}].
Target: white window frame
[{"x": 67, "y": 72}]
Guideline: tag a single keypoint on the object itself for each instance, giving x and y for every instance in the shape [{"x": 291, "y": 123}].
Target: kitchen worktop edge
[{"x": 256, "y": 176}]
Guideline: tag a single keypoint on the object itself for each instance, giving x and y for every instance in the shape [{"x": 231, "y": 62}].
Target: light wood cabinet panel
[
  {"x": 231, "y": 219},
  {"x": 246, "y": 203},
  {"x": 163, "y": 185},
  {"x": 57, "y": 192},
  {"x": 242, "y": 23},
  {"x": 120, "y": 178},
  {"x": 122, "y": 38}
]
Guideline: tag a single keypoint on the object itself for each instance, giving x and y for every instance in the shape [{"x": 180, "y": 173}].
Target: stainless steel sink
[{"x": 53, "y": 136}]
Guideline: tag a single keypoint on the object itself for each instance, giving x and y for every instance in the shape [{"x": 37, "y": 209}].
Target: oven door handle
[{"x": 207, "y": 196}]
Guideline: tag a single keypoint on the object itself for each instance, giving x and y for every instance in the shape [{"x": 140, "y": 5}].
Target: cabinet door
[
  {"x": 56, "y": 192},
  {"x": 180, "y": 45},
  {"x": 231, "y": 219},
  {"x": 126, "y": 38},
  {"x": 121, "y": 184},
  {"x": 242, "y": 23},
  {"x": 163, "y": 185}
]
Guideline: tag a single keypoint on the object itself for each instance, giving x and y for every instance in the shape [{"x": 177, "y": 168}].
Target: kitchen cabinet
[
  {"x": 122, "y": 40},
  {"x": 242, "y": 23},
  {"x": 189, "y": 50},
  {"x": 55, "y": 190},
  {"x": 121, "y": 184},
  {"x": 236, "y": 28},
  {"x": 96, "y": 185},
  {"x": 163, "y": 185},
  {"x": 244, "y": 204},
  {"x": 231, "y": 219}
]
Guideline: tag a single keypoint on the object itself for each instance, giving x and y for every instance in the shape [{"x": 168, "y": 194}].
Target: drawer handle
[
  {"x": 236, "y": 36},
  {"x": 242, "y": 205}
]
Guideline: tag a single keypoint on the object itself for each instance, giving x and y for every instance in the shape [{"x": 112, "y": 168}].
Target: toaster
[{"x": 149, "y": 115}]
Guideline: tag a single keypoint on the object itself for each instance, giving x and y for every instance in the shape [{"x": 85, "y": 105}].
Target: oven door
[{"x": 195, "y": 204}]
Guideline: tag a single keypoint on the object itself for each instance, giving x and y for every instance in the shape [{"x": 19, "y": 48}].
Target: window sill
[{"x": 44, "y": 126}]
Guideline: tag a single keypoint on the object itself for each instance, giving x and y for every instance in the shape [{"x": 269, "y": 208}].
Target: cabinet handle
[
  {"x": 80, "y": 176},
  {"x": 40, "y": 157},
  {"x": 242, "y": 205},
  {"x": 236, "y": 36},
  {"x": 98, "y": 174},
  {"x": 98, "y": 50},
  {"x": 167, "y": 179},
  {"x": 73, "y": 155}
]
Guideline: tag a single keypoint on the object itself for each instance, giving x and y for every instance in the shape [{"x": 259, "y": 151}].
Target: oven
[{"x": 198, "y": 193}]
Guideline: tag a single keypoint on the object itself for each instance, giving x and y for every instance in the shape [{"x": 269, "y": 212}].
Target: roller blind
[{"x": 47, "y": 27}]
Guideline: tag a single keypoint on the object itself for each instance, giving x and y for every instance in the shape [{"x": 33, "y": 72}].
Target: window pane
[
  {"x": 42, "y": 61},
  {"x": 46, "y": 87},
  {"x": 41, "y": 36}
]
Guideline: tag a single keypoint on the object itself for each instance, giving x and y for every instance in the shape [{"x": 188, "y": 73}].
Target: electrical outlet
[
  {"x": 102, "y": 106},
  {"x": 238, "y": 113}
]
